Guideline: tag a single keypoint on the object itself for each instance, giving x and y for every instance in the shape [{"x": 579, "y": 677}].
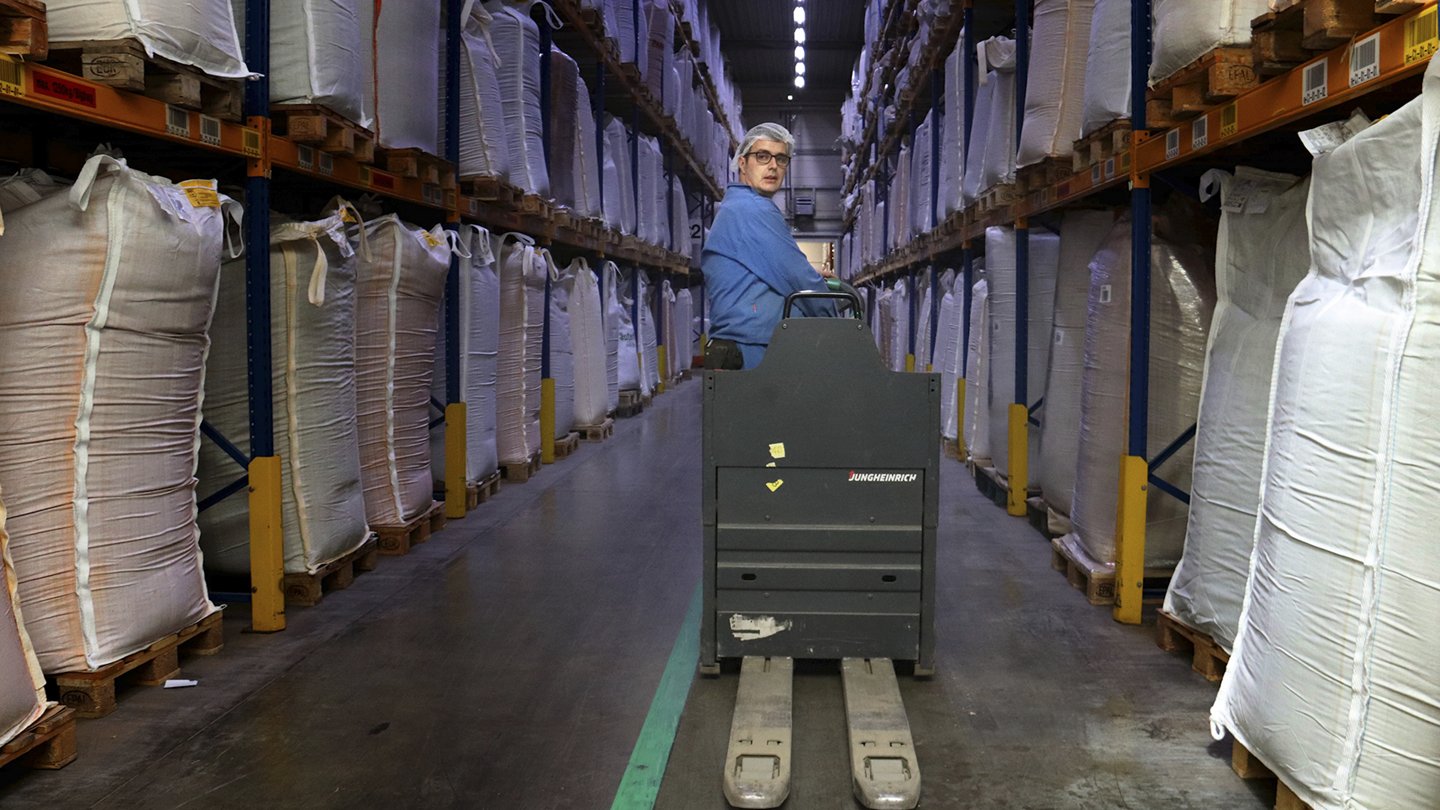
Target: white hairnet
[{"x": 767, "y": 131}]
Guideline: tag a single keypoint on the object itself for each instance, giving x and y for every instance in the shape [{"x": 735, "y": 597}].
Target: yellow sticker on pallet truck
[{"x": 777, "y": 450}]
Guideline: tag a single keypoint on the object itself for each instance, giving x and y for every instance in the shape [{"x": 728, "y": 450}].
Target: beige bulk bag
[
  {"x": 593, "y": 359},
  {"x": 523, "y": 268},
  {"x": 312, "y": 339},
  {"x": 977, "y": 376},
  {"x": 562, "y": 349},
  {"x": 1003, "y": 289},
  {"x": 22, "y": 686},
  {"x": 1055, "y": 93},
  {"x": 397, "y": 315},
  {"x": 111, "y": 285},
  {"x": 479, "y": 352},
  {"x": 192, "y": 32}
]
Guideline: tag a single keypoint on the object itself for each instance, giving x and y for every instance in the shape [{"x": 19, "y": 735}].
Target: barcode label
[
  {"x": 1317, "y": 82},
  {"x": 473, "y": 206},
  {"x": 12, "y": 79},
  {"x": 1172, "y": 144},
  {"x": 367, "y": 177},
  {"x": 1095, "y": 175},
  {"x": 1229, "y": 121},
  {"x": 210, "y": 130},
  {"x": 305, "y": 156},
  {"x": 1200, "y": 132},
  {"x": 1109, "y": 168},
  {"x": 177, "y": 121},
  {"x": 1422, "y": 36},
  {"x": 326, "y": 163},
  {"x": 1365, "y": 60},
  {"x": 250, "y": 142},
  {"x": 1106, "y": 295}
]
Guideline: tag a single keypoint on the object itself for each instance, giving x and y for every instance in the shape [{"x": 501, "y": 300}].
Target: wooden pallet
[
  {"x": 991, "y": 484},
  {"x": 308, "y": 589},
  {"x": 417, "y": 164},
  {"x": 1397, "y": 6},
  {"x": 952, "y": 448},
  {"x": 536, "y": 206},
  {"x": 1038, "y": 513},
  {"x": 48, "y": 744},
  {"x": 325, "y": 130},
  {"x": 475, "y": 493},
  {"x": 521, "y": 471},
  {"x": 1095, "y": 579},
  {"x": 597, "y": 433},
  {"x": 567, "y": 446},
  {"x": 995, "y": 198},
  {"x": 1044, "y": 174},
  {"x": 1109, "y": 141},
  {"x": 1291, "y": 34},
  {"x": 632, "y": 403},
  {"x": 1208, "y": 658},
  {"x": 22, "y": 29},
  {"x": 396, "y": 540},
  {"x": 1247, "y": 766},
  {"x": 92, "y": 694},
  {"x": 488, "y": 189},
  {"x": 123, "y": 63},
  {"x": 1220, "y": 75}
]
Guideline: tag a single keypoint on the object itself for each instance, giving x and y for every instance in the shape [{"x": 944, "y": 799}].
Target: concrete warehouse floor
[{"x": 510, "y": 662}]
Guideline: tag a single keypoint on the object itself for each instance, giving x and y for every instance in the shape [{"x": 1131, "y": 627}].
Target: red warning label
[{"x": 53, "y": 86}]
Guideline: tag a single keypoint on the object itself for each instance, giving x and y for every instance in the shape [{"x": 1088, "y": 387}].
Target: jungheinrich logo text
[{"x": 883, "y": 478}]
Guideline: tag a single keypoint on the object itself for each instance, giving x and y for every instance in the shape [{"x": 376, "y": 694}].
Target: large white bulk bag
[
  {"x": 1332, "y": 681},
  {"x": 484, "y": 141},
  {"x": 192, "y": 32},
  {"x": 317, "y": 55},
  {"x": 479, "y": 354},
  {"x": 1001, "y": 300},
  {"x": 1081, "y": 234},
  {"x": 654, "y": 193},
  {"x": 619, "y": 179},
  {"x": 898, "y": 324},
  {"x": 1107, "y": 65},
  {"x": 517, "y": 54},
  {"x": 403, "y": 73},
  {"x": 977, "y": 378},
  {"x": 660, "y": 42},
  {"x": 920, "y": 206},
  {"x": 574, "y": 164},
  {"x": 399, "y": 285},
  {"x": 1186, "y": 30},
  {"x": 648, "y": 338},
  {"x": 1181, "y": 301},
  {"x": 948, "y": 357},
  {"x": 1262, "y": 254},
  {"x": 1055, "y": 90},
  {"x": 952, "y": 140},
  {"x": 973, "y": 171},
  {"x": 588, "y": 335},
  {"x": 685, "y": 336},
  {"x": 312, "y": 339},
  {"x": 22, "y": 686},
  {"x": 922, "y": 323},
  {"x": 628, "y": 359},
  {"x": 614, "y": 315},
  {"x": 110, "y": 287},
  {"x": 679, "y": 218},
  {"x": 632, "y": 32},
  {"x": 997, "y": 163},
  {"x": 523, "y": 269},
  {"x": 562, "y": 349}
]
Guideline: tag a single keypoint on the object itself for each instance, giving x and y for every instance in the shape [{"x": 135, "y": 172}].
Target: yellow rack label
[
  {"x": 1229, "y": 120},
  {"x": 12, "y": 77},
  {"x": 202, "y": 193},
  {"x": 250, "y": 142},
  {"x": 1422, "y": 35}
]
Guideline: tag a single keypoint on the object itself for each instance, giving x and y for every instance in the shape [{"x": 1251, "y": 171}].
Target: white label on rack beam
[
  {"x": 327, "y": 163},
  {"x": 1316, "y": 81},
  {"x": 1172, "y": 144},
  {"x": 1095, "y": 174},
  {"x": 1365, "y": 60},
  {"x": 177, "y": 121},
  {"x": 210, "y": 130},
  {"x": 305, "y": 156},
  {"x": 1200, "y": 133},
  {"x": 1110, "y": 168}
]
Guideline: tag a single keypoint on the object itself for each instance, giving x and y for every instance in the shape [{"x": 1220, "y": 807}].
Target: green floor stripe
[{"x": 646, "y": 770}]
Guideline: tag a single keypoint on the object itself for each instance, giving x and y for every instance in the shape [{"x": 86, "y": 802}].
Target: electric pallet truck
[{"x": 821, "y": 487}]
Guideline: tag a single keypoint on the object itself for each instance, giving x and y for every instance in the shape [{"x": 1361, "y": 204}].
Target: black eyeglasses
[{"x": 763, "y": 158}]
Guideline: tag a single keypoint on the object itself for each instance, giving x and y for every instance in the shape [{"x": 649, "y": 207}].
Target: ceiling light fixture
[
  {"x": 789, "y": 97},
  {"x": 799, "y": 68},
  {"x": 799, "y": 15},
  {"x": 799, "y": 52},
  {"x": 800, "y": 35},
  {"x": 800, "y": 82}
]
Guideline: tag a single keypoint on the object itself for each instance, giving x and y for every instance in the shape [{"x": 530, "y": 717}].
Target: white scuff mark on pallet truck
[{"x": 748, "y": 628}]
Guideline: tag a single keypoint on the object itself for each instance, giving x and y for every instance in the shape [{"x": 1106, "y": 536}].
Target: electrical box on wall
[{"x": 804, "y": 203}]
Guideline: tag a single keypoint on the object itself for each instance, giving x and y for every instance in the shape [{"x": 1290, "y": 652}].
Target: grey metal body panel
[{"x": 821, "y": 491}]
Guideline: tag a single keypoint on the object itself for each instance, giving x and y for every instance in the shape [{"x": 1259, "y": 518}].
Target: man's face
[{"x": 760, "y": 168}]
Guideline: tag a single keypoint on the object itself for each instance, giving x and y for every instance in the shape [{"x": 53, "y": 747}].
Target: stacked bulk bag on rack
[
  {"x": 922, "y": 322},
  {"x": 1186, "y": 30},
  {"x": 403, "y": 73},
  {"x": 614, "y": 315},
  {"x": 660, "y": 45},
  {"x": 317, "y": 55},
  {"x": 484, "y": 144},
  {"x": 900, "y": 198},
  {"x": 947, "y": 353},
  {"x": 632, "y": 32},
  {"x": 1055, "y": 91},
  {"x": 1001, "y": 298},
  {"x": 648, "y": 338},
  {"x": 920, "y": 172},
  {"x": 399, "y": 285},
  {"x": 574, "y": 164},
  {"x": 679, "y": 218},
  {"x": 479, "y": 347},
  {"x": 952, "y": 138},
  {"x": 200, "y": 33},
  {"x": 1181, "y": 301},
  {"x": 1081, "y": 234},
  {"x": 592, "y": 358},
  {"x": 654, "y": 193},
  {"x": 991, "y": 160},
  {"x": 977, "y": 377},
  {"x": 1107, "y": 66},
  {"x": 619, "y": 179},
  {"x": 562, "y": 348},
  {"x": 1332, "y": 680},
  {"x": 629, "y": 362},
  {"x": 517, "y": 41},
  {"x": 1263, "y": 252},
  {"x": 110, "y": 288},
  {"x": 685, "y": 337},
  {"x": 22, "y": 685},
  {"x": 312, "y": 339},
  {"x": 523, "y": 268}
]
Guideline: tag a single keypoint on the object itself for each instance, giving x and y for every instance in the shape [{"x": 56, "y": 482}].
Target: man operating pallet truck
[{"x": 819, "y": 532}]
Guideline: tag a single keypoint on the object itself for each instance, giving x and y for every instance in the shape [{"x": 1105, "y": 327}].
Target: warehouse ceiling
[{"x": 757, "y": 37}]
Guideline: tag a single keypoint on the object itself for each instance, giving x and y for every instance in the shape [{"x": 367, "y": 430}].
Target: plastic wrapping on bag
[
  {"x": 686, "y": 337},
  {"x": 403, "y": 73},
  {"x": 619, "y": 178},
  {"x": 1181, "y": 301},
  {"x": 588, "y": 335},
  {"x": 574, "y": 164},
  {"x": 977, "y": 378},
  {"x": 997, "y": 165},
  {"x": 628, "y": 360},
  {"x": 660, "y": 42},
  {"x": 948, "y": 338},
  {"x": 562, "y": 348},
  {"x": 1081, "y": 234},
  {"x": 110, "y": 288},
  {"x": 192, "y": 32},
  {"x": 920, "y": 206},
  {"x": 973, "y": 177},
  {"x": 317, "y": 55},
  {"x": 397, "y": 319},
  {"x": 1261, "y": 255},
  {"x": 1001, "y": 298},
  {"x": 649, "y": 340},
  {"x": 479, "y": 357},
  {"x": 654, "y": 194},
  {"x": 22, "y": 686},
  {"x": 614, "y": 315},
  {"x": 1107, "y": 65},
  {"x": 1332, "y": 680},
  {"x": 484, "y": 142},
  {"x": 1186, "y": 30},
  {"x": 312, "y": 338},
  {"x": 1055, "y": 91},
  {"x": 523, "y": 269},
  {"x": 517, "y": 41}
]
